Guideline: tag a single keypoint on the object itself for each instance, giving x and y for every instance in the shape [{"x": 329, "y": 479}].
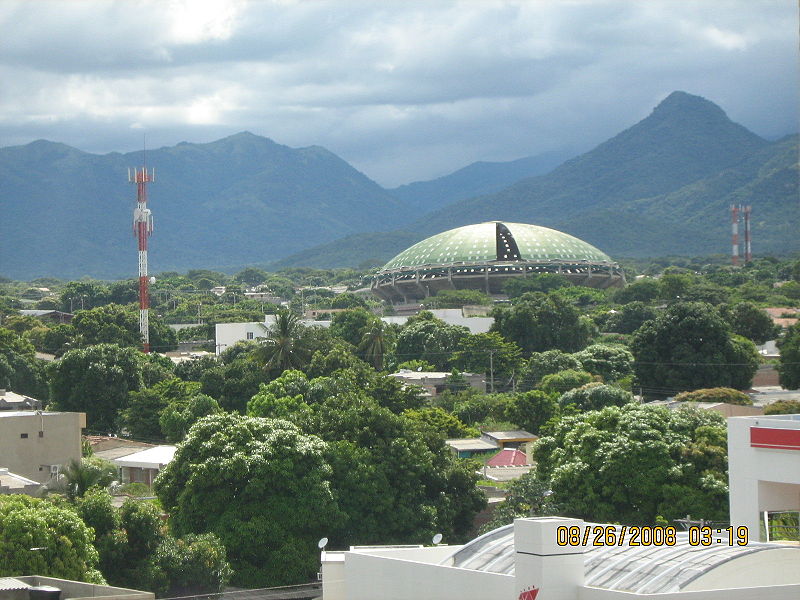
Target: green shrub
[{"x": 719, "y": 394}]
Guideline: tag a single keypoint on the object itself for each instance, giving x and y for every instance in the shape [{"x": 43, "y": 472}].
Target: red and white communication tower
[
  {"x": 735, "y": 234},
  {"x": 142, "y": 228},
  {"x": 748, "y": 252}
]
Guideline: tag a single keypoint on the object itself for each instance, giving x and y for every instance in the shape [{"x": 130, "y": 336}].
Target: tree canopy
[
  {"x": 689, "y": 346},
  {"x": 246, "y": 478},
  {"x": 633, "y": 463},
  {"x": 539, "y": 322}
]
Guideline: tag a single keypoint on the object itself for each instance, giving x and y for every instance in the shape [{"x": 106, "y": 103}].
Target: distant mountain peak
[{"x": 682, "y": 103}]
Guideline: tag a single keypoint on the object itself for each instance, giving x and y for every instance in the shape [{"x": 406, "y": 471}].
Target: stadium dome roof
[
  {"x": 483, "y": 256},
  {"x": 494, "y": 240}
]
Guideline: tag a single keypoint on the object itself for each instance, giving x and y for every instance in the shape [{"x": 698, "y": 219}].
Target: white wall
[
  {"x": 752, "y": 471},
  {"x": 51, "y": 438},
  {"x": 373, "y": 577}
]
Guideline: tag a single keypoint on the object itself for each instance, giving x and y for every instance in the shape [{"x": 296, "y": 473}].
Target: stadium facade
[{"x": 485, "y": 255}]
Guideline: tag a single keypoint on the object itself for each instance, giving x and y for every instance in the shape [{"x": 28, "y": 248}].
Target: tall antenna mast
[
  {"x": 735, "y": 234},
  {"x": 142, "y": 228},
  {"x": 748, "y": 250}
]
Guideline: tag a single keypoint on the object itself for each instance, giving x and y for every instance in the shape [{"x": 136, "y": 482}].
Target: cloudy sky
[{"x": 404, "y": 91}]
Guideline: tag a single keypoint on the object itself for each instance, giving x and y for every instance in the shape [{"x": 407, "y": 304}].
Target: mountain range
[{"x": 663, "y": 186}]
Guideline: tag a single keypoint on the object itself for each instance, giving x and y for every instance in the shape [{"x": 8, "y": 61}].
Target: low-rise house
[
  {"x": 435, "y": 382},
  {"x": 36, "y": 587},
  {"x": 471, "y": 447},
  {"x": 55, "y": 316},
  {"x": 12, "y": 401},
  {"x": 509, "y": 439},
  {"x": 143, "y": 466},
  {"x": 11, "y": 483},
  {"x": 37, "y": 444}
]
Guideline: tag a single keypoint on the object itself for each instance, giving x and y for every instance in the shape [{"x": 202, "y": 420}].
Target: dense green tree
[
  {"x": 97, "y": 510},
  {"x": 20, "y": 370},
  {"x": 340, "y": 356},
  {"x": 347, "y": 300},
  {"x": 531, "y": 410},
  {"x": 595, "y": 396},
  {"x": 611, "y": 362},
  {"x": 539, "y": 322},
  {"x": 541, "y": 282},
  {"x": 177, "y": 418},
  {"x": 251, "y": 276},
  {"x": 96, "y": 380},
  {"x": 262, "y": 486},
  {"x": 124, "y": 292},
  {"x": 633, "y": 463},
  {"x": 458, "y": 299},
  {"x": 489, "y": 353},
  {"x": 116, "y": 324},
  {"x": 233, "y": 382},
  {"x": 393, "y": 484},
  {"x": 750, "y": 321},
  {"x": 641, "y": 290},
  {"x": 547, "y": 363},
  {"x": 688, "y": 347},
  {"x": 526, "y": 496},
  {"x": 193, "y": 369},
  {"x": 38, "y": 536},
  {"x": 19, "y": 324},
  {"x": 441, "y": 422},
  {"x": 430, "y": 339},
  {"x": 350, "y": 324},
  {"x": 82, "y": 295},
  {"x": 630, "y": 317},
  {"x": 564, "y": 381},
  {"x": 191, "y": 565},
  {"x": 789, "y": 362}
]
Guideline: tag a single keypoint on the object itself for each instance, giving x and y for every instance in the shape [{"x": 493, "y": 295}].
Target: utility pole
[{"x": 491, "y": 371}]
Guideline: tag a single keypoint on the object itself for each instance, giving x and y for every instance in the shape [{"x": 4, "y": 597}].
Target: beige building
[{"x": 37, "y": 444}]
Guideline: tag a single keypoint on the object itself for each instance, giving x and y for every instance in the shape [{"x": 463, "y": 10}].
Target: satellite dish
[
  {"x": 152, "y": 280},
  {"x": 437, "y": 538},
  {"x": 322, "y": 543}
]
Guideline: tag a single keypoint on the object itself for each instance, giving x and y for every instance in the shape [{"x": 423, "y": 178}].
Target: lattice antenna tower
[{"x": 142, "y": 229}]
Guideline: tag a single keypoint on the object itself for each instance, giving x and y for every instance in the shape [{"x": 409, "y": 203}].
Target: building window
[
  {"x": 250, "y": 335},
  {"x": 41, "y": 434},
  {"x": 23, "y": 435}
]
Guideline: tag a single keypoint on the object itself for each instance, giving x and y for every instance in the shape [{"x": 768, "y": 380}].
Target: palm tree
[
  {"x": 283, "y": 346},
  {"x": 80, "y": 475},
  {"x": 374, "y": 344}
]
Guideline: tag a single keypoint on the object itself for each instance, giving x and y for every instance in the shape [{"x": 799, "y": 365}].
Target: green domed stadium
[{"x": 483, "y": 256}]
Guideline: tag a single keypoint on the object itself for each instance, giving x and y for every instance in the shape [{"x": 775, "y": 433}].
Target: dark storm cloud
[{"x": 402, "y": 90}]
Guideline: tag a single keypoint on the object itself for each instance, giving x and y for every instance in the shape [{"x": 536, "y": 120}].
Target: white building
[
  {"x": 227, "y": 334},
  {"x": 37, "y": 444},
  {"x": 525, "y": 561},
  {"x": 143, "y": 466},
  {"x": 763, "y": 469}
]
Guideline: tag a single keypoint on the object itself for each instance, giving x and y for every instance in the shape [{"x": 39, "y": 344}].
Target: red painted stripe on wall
[{"x": 779, "y": 439}]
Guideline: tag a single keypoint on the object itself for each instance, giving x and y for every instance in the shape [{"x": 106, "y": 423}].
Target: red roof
[{"x": 508, "y": 457}]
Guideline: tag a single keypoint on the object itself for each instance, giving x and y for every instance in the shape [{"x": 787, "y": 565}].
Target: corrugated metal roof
[
  {"x": 639, "y": 569},
  {"x": 10, "y": 583}
]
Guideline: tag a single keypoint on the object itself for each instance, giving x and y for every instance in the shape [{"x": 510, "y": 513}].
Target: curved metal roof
[
  {"x": 494, "y": 240},
  {"x": 641, "y": 569}
]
